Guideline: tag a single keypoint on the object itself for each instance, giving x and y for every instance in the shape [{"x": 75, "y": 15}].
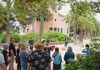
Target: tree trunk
[
  {"x": 85, "y": 35},
  {"x": 41, "y": 29},
  {"x": 33, "y": 26},
  {"x": 81, "y": 36},
  {"x": 8, "y": 31},
  {"x": 74, "y": 35}
]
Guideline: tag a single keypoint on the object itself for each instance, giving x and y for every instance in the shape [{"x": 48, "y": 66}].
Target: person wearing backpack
[
  {"x": 5, "y": 54},
  {"x": 57, "y": 59},
  {"x": 31, "y": 43},
  {"x": 18, "y": 57},
  {"x": 47, "y": 47},
  {"x": 2, "y": 62}
]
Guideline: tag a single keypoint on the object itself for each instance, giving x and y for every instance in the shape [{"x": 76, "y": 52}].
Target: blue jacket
[
  {"x": 57, "y": 58},
  {"x": 86, "y": 51},
  {"x": 68, "y": 55},
  {"x": 23, "y": 59}
]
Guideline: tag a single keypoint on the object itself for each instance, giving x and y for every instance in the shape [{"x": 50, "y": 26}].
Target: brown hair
[
  {"x": 23, "y": 47},
  {"x": 19, "y": 45},
  {"x": 57, "y": 49},
  {"x": 69, "y": 49},
  {"x": 39, "y": 46}
]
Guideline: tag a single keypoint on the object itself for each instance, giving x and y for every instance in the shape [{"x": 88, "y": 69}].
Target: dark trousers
[
  {"x": 66, "y": 62},
  {"x": 18, "y": 66},
  {"x": 31, "y": 47},
  {"x": 66, "y": 44},
  {"x": 56, "y": 66}
]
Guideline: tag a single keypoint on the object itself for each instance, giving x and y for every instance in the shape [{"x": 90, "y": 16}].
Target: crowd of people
[{"x": 39, "y": 58}]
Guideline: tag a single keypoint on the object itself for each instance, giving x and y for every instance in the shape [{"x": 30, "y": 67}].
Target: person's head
[
  {"x": 6, "y": 46},
  {"x": 47, "y": 42},
  {"x": 39, "y": 46},
  {"x": 69, "y": 49},
  {"x": 57, "y": 49},
  {"x": 19, "y": 45},
  {"x": 87, "y": 46},
  {"x": 12, "y": 41},
  {"x": 23, "y": 47}
]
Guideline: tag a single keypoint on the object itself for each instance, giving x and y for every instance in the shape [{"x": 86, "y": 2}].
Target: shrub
[
  {"x": 55, "y": 36},
  {"x": 87, "y": 62},
  {"x": 26, "y": 37},
  {"x": 13, "y": 35}
]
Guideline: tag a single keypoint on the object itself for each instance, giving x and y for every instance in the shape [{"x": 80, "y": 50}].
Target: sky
[{"x": 66, "y": 9}]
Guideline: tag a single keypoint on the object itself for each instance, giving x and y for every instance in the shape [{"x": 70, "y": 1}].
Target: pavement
[{"x": 76, "y": 49}]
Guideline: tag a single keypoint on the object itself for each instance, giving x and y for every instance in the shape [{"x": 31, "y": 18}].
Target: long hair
[
  {"x": 69, "y": 49},
  {"x": 57, "y": 49},
  {"x": 22, "y": 47}
]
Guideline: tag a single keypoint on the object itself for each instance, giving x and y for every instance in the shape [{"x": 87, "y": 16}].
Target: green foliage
[
  {"x": 87, "y": 62},
  {"x": 72, "y": 66},
  {"x": 13, "y": 35},
  {"x": 55, "y": 36},
  {"x": 81, "y": 15},
  {"x": 50, "y": 35},
  {"x": 26, "y": 37}
]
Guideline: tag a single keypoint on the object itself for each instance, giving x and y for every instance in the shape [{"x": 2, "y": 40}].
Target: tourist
[
  {"x": 66, "y": 42},
  {"x": 57, "y": 59},
  {"x": 69, "y": 54},
  {"x": 2, "y": 62},
  {"x": 5, "y": 54},
  {"x": 12, "y": 54},
  {"x": 38, "y": 59},
  {"x": 31, "y": 43},
  {"x": 47, "y": 47},
  {"x": 86, "y": 50},
  {"x": 42, "y": 40},
  {"x": 18, "y": 57},
  {"x": 23, "y": 56}
]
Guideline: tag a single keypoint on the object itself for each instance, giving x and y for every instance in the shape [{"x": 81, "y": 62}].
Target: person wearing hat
[
  {"x": 5, "y": 53},
  {"x": 39, "y": 59}
]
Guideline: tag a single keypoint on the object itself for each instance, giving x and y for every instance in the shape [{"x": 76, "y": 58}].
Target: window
[
  {"x": 58, "y": 29},
  {"x": 45, "y": 19},
  {"x": 50, "y": 28},
  {"x": 27, "y": 29},
  {"x": 55, "y": 19},
  {"x": 38, "y": 19},
  {"x": 55, "y": 29}
]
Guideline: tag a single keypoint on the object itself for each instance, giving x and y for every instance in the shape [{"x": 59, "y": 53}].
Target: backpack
[{"x": 5, "y": 54}]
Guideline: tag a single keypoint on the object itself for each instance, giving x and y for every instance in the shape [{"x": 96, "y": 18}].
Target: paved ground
[{"x": 76, "y": 49}]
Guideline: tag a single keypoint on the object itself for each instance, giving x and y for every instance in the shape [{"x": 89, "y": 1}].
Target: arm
[
  {"x": 54, "y": 54},
  {"x": 2, "y": 62},
  {"x": 3, "y": 66},
  {"x": 12, "y": 53},
  {"x": 49, "y": 66},
  {"x": 28, "y": 66},
  {"x": 65, "y": 57},
  {"x": 60, "y": 57},
  {"x": 73, "y": 55}
]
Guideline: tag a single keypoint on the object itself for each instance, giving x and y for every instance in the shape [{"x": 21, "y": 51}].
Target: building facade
[{"x": 56, "y": 23}]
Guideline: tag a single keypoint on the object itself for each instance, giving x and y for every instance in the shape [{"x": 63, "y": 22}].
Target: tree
[
  {"x": 81, "y": 16},
  {"x": 39, "y": 9}
]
